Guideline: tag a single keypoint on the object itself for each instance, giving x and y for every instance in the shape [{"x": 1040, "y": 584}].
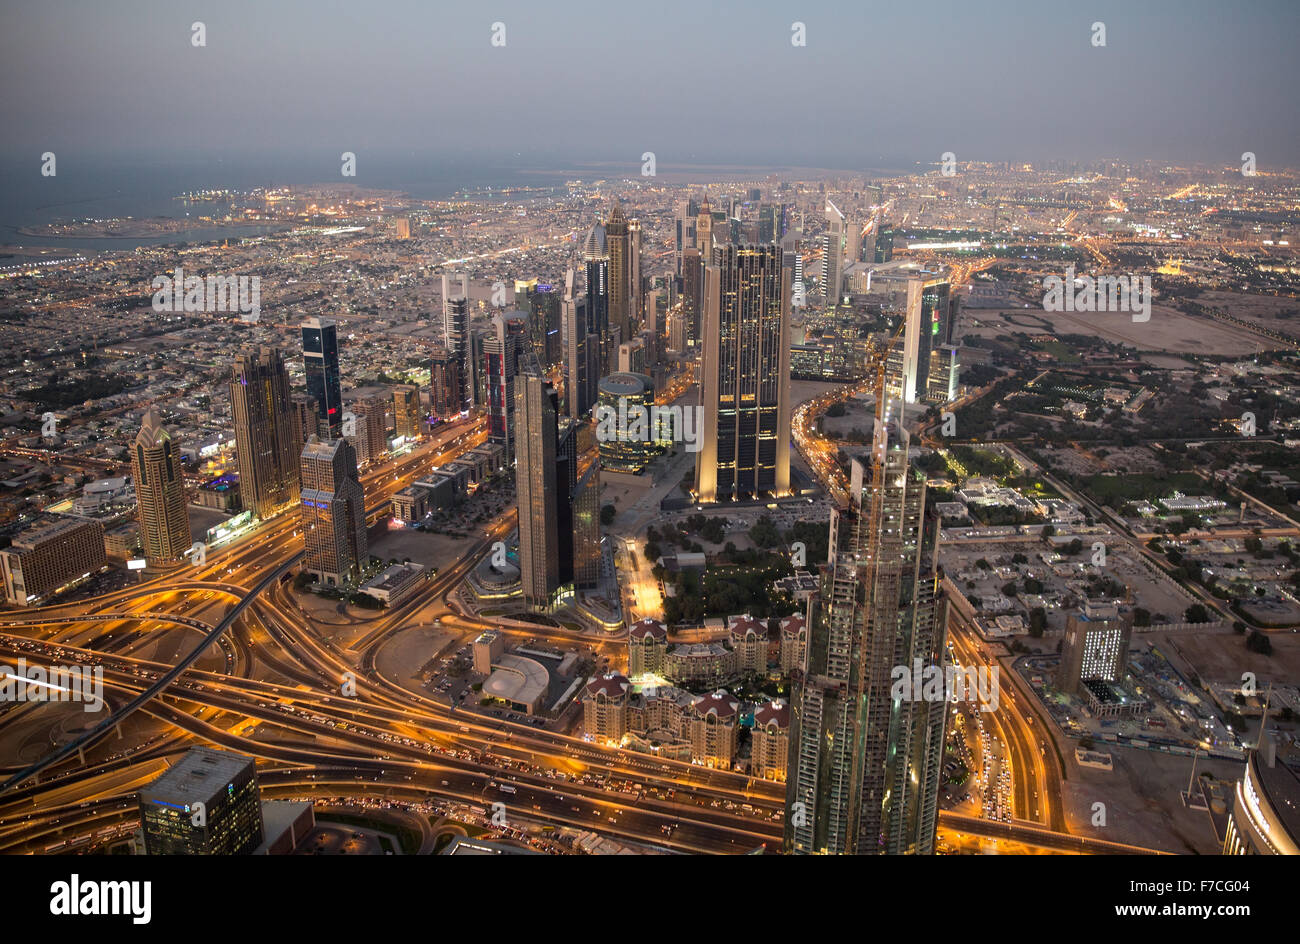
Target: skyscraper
[
  {"x": 636, "y": 279},
  {"x": 745, "y": 376},
  {"x": 833, "y": 254},
  {"x": 927, "y": 316},
  {"x": 447, "y": 386},
  {"x": 595, "y": 257},
  {"x": 456, "y": 334},
  {"x": 535, "y": 487},
  {"x": 207, "y": 803},
  {"x": 581, "y": 359},
  {"x": 684, "y": 229},
  {"x": 373, "y": 410},
  {"x": 320, "y": 356},
  {"x": 408, "y": 420},
  {"x": 265, "y": 435},
  {"x": 159, "y": 493},
  {"x": 501, "y": 353},
  {"x": 333, "y": 512},
  {"x": 618, "y": 248},
  {"x": 864, "y": 766}
]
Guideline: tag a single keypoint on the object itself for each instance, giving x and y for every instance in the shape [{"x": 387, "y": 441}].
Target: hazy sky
[{"x": 705, "y": 81}]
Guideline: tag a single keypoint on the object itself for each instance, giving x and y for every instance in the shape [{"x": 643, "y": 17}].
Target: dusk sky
[{"x": 877, "y": 84}]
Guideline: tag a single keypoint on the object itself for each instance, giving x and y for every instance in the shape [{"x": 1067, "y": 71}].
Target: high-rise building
[
  {"x": 159, "y": 493},
  {"x": 501, "y": 352},
  {"x": 926, "y": 324},
  {"x": 333, "y": 512},
  {"x": 618, "y": 248},
  {"x": 770, "y": 753},
  {"x": 693, "y": 296},
  {"x": 305, "y": 418},
  {"x": 408, "y": 419},
  {"x": 745, "y": 376},
  {"x": 704, "y": 230},
  {"x": 545, "y": 330},
  {"x": 636, "y": 278},
  {"x": 832, "y": 254},
  {"x": 684, "y": 229},
  {"x": 266, "y": 446},
  {"x": 586, "y": 529},
  {"x": 372, "y": 413},
  {"x": 865, "y": 767},
  {"x": 884, "y": 250},
  {"x": 535, "y": 487},
  {"x": 595, "y": 257},
  {"x": 582, "y": 358},
  {"x": 457, "y": 338},
  {"x": 626, "y": 396},
  {"x": 50, "y": 555},
  {"x": 1095, "y": 647},
  {"x": 320, "y": 356},
  {"x": 447, "y": 386},
  {"x": 207, "y": 803}
]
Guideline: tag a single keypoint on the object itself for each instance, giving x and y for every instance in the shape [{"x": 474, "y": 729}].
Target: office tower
[
  {"x": 632, "y": 356},
  {"x": 744, "y": 377},
  {"x": 693, "y": 296},
  {"x": 566, "y": 481},
  {"x": 927, "y": 311},
  {"x": 447, "y": 386},
  {"x": 582, "y": 358},
  {"x": 544, "y": 325},
  {"x": 853, "y": 242},
  {"x": 356, "y": 430},
  {"x": 767, "y": 223},
  {"x": 454, "y": 285},
  {"x": 333, "y": 513},
  {"x": 408, "y": 418},
  {"x": 372, "y": 414},
  {"x": 501, "y": 352},
  {"x": 704, "y": 230},
  {"x": 535, "y": 487},
  {"x": 832, "y": 254},
  {"x": 595, "y": 257},
  {"x": 1265, "y": 816},
  {"x": 476, "y": 364},
  {"x": 50, "y": 555},
  {"x": 207, "y": 803},
  {"x": 320, "y": 356},
  {"x": 1095, "y": 646},
  {"x": 159, "y": 493},
  {"x": 586, "y": 529},
  {"x": 402, "y": 228},
  {"x": 884, "y": 243},
  {"x": 864, "y": 768},
  {"x": 636, "y": 279},
  {"x": 456, "y": 335},
  {"x": 684, "y": 229},
  {"x": 617, "y": 247},
  {"x": 626, "y": 395},
  {"x": 266, "y": 447},
  {"x": 305, "y": 418}
]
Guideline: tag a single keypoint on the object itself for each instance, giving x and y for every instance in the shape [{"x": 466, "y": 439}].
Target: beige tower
[{"x": 159, "y": 494}]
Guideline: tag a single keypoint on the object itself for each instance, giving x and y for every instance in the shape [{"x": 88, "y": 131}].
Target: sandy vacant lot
[{"x": 1168, "y": 331}]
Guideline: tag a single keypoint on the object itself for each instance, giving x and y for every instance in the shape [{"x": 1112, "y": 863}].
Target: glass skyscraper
[
  {"x": 865, "y": 766},
  {"x": 320, "y": 355}
]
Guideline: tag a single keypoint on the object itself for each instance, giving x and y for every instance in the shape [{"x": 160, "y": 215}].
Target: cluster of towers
[{"x": 292, "y": 450}]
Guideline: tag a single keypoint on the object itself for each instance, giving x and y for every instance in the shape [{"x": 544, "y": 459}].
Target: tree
[
  {"x": 1196, "y": 614},
  {"x": 607, "y": 514}
]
